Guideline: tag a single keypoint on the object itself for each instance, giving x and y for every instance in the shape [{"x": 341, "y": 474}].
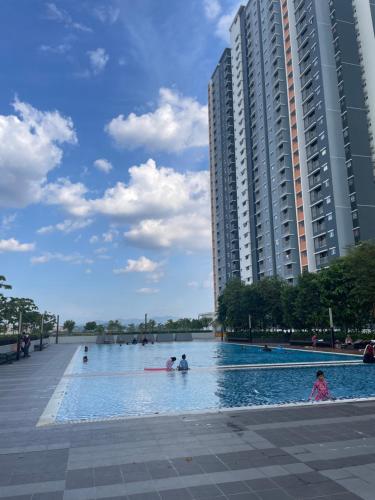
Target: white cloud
[
  {"x": 67, "y": 226},
  {"x": 55, "y": 13},
  {"x": 165, "y": 208},
  {"x": 141, "y": 265},
  {"x": 62, "y": 48},
  {"x": 178, "y": 123},
  {"x": 94, "y": 239},
  {"x": 186, "y": 232},
  {"x": 207, "y": 283},
  {"x": 212, "y": 8},
  {"x": 30, "y": 148},
  {"x": 13, "y": 245},
  {"x": 103, "y": 165},
  {"x": 148, "y": 291},
  {"x": 224, "y": 22},
  {"x": 107, "y": 13},
  {"x": 7, "y": 222},
  {"x": 98, "y": 60},
  {"x": 75, "y": 258}
]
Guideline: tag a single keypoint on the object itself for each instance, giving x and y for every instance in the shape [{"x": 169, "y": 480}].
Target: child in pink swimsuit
[{"x": 320, "y": 391}]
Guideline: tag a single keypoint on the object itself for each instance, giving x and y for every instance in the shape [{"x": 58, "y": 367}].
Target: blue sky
[{"x": 104, "y": 193}]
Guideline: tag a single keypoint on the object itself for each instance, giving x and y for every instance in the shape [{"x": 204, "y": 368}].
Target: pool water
[
  {"x": 113, "y": 384},
  {"x": 117, "y": 396},
  {"x": 116, "y": 358}
]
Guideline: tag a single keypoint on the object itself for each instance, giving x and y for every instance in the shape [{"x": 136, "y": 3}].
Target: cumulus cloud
[
  {"x": 59, "y": 15},
  {"x": 141, "y": 265},
  {"x": 212, "y": 8},
  {"x": 75, "y": 258},
  {"x": 178, "y": 123},
  {"x": 164, "y": 208},
  {"x": 186, "y": 232},
  {"x": 67, "y": 226},
  {"x": 103, "y": 165},
  {"x": 107, "y": 13},
  {"x": 13, "y": 245},
  {"x": 98, "y": 60},
  {"x": 30, "y": 148},
  {"x": 148, "y": 291}
]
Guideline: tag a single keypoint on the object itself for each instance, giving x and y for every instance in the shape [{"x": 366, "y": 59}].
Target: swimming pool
[
  {"x": 114, "y": 384},
  {"x": 116, "y": 358}
]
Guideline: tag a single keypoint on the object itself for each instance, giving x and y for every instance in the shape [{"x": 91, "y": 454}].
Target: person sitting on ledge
[
  {"x": 368, "y": 355},
  {"x": 266, "y": 348},
  {"x": 134, "y": 341},
  {"x": 169, "y": 363},
  {"x": 85, "y": 359},
  {"x": 183, "y": 366},
  {"x": 144, "y": 341},
  {"x": 86, "y": 348}
]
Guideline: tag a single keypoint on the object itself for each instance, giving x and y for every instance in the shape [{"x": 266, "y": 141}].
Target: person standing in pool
[
  {"x": 368, "y": 355},
  {"x": 183, "y": 366},
  {"x": 169, "y": 363},
  {"x": 320, "y": 391},
  {"x": 266, "y": 348}
]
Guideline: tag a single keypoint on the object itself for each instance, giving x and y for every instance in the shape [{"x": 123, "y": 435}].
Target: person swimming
[
  {"x": 320, "y": 391},
  {"x": 86, "y": 348},
  {"x": 266, "y": 348},
  {"x": 85, "y": 359}
]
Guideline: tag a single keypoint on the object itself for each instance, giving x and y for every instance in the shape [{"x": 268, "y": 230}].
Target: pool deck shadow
[{"x": 325, "y": 452}]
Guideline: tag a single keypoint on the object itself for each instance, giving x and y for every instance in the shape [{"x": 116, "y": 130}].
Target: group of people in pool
[{"x": 182, "y": 366}]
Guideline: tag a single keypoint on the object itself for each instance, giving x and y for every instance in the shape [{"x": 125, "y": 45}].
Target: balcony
[
  {"x": 316, "y": 195},
  {"x": 317, "y": 211},
  {"x": 312, "y": 150},
  {"x": 320, "y": 243},
  {"x": 314, "y": 180}
]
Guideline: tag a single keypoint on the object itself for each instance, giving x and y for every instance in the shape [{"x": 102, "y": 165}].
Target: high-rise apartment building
[
  {"x": 303, "y": 86},
  {"x": 223, "y": 175}
]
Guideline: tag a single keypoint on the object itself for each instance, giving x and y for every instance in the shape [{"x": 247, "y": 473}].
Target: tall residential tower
[{"x": 303, "y": 87}]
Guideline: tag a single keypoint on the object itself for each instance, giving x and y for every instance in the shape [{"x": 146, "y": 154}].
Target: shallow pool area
[{"x": 113, "y": 384}]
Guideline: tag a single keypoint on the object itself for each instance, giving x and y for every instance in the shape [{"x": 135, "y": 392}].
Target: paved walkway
[{"x": 325, "y": 452}]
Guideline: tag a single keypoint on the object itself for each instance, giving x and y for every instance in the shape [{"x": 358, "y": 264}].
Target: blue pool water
[
  {"x": 114, "y": 383},
  {"x": 115, "y": 358}
]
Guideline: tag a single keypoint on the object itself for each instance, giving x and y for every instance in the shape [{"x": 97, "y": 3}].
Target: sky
[{"x": 104, "y": 182}]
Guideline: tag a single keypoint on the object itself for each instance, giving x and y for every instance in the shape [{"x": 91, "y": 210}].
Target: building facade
[
  {"x": 223, "y": 175},
  {"x": 303, "y": 87}
]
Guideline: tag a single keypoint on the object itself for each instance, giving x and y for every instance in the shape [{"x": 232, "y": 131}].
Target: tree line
[
  {"x": 10, "y": 308},
  {"x": 347, "y": 287},
  {"x": 115, "y": 326}
]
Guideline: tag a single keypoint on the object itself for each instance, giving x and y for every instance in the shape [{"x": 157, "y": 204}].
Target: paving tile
[
  {"x": 260, "y": 484},
  {"x": 51, "y": 495},
  {"x": 205, "y": 492},
  {"x": 107, "y": 475},
  {"x": 179, "y": 494},
  {"x": 82, "y": 478},
  {"x": 243, "y": 496},
  {"x": 144, "y": 496},
  {"x": 233, "y": 487},
  {"x": 187, "y": 466},
  {"x": 159, "y": 469},
  {"x": 276, "y": 494},
  {"x": 18, "y": 497}
]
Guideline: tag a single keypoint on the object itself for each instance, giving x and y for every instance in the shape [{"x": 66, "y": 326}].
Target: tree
[
  {"x": 69, "y": 325},
  {"x": 232, "y": 312},
  {"x": 90, "y": 326},
  {"x": 3, "y": 283},
  {"x": 309, "y": 305},
  {"x": 114, "y": 326}
]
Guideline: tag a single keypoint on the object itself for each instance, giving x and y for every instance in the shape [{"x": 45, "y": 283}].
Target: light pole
[
  {"x": 19, "y": 336},
  {"x": 41, "y": 333},
  {"x": 57, "y": 330},
  {"x": 332, "y": 327},
  {"x": 250, "y": 330}
]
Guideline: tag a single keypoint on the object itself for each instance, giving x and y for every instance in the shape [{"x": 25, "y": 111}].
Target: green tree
[
  {"x": 90, "y": 326},
  {"x": 69, "y": 325},
  {"x": 114, "y": 326},
  {"x": 4, "y": 284},
  {"x": 232, "y": 311},
  {"x": 309, "y": 306}
]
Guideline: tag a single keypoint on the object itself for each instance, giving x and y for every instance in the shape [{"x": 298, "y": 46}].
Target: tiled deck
[{"x": 325, "y": 452}]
